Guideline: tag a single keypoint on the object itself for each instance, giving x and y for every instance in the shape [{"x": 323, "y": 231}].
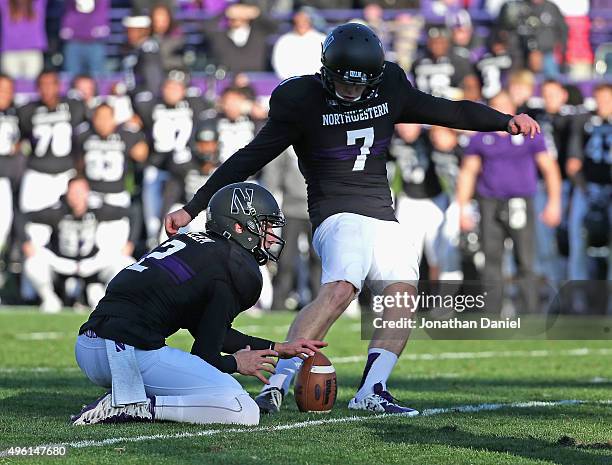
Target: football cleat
[
  {"x": 381, "y": 401},
  {"x": 102, "y": 411},
  {"x": 270, "y": 400}
]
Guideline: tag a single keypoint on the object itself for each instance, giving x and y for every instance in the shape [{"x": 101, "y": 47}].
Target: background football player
[
  {"x": 49, "y": 126},
  {"x": 9, "y": 146},
  {"x": 105, "y": 151},
  {"x": 199, "y": 282},
  {"x": 168, "y": 122},
  {"x": 72, "y": 240},
  {"x": 340, "y": 123}
]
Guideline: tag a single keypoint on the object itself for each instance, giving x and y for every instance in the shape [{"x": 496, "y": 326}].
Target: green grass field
[{"x": 525, "y": 383}]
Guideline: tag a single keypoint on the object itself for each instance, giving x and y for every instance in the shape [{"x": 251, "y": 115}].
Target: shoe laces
[{"x": 386, "y": 395}]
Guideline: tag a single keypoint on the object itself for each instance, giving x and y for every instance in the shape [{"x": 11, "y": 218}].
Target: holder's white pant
[{"x": 186, "y": 388}]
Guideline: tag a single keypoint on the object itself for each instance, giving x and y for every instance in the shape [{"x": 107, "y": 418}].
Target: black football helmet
[
  {"x": 353, "y": 54},
  {"x": 255, "y": 210}
]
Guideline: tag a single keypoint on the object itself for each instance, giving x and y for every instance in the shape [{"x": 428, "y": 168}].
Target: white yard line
[
  {"x": 580, "y": 352},
  {"x": 37, "y": 369},
  {"x": 487, "y": 407},
  {"x": 42, "y": 336}
]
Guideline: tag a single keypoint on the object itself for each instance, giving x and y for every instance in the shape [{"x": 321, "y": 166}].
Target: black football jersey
[
  {"x": 73, "y": 237},
  {"x": 50, "y": 132},
  {"x": 169, "y": 129},
  {"x": 193, "y": 281},
  {"x": 591, "y": 141},
  {"x": 105, "y": 161},
  {"x": 342, "y": 150},
  {"x": 191, "y": 174},
  {"x": 492, "y": 70},
  {"x": 143, "y": 68},
  {"x": 233, "y": 135},
  {"x": 419, "y": 180},
  {"x": 438, "y": 76},
  {"x": 556, "y": 129},
  {"x": 9, "y": 137}
]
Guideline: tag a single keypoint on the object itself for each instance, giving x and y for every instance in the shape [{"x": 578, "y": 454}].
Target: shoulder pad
[
  {"x": 193, "y": 92},
  {"x": 289, "y": 94},
  {"x": 143, "y": 97},
  {"x": 130, "y": 127},
  {"x": 82, "y": 128}
]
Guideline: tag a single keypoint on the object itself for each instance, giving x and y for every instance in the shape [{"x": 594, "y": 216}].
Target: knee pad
[{"x": 250, "y": 410}]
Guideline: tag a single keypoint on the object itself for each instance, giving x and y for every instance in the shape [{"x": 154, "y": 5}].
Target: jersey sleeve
[
  {"x": 77, "y": 111},
  {"x": 538, "y": 144},
  {"x": 235, "y": 340},
  {"x": 143, "y": 103},
  {"x": 25, "y": 114},
  {"x": 421, "y": 108},
  {"x": 131, "y": 137},
  {"x": 213, "y": 327},
  {"x": 473, "y": 147},
  {"x": 270, "y": 142},
  {"x": 575, "y": 148}
]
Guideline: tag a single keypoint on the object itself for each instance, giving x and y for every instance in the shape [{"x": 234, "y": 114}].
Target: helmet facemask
[{"x": 269, "y": 245}]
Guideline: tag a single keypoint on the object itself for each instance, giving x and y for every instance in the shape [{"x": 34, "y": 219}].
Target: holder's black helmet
[
  {"x": 254, "y": 209},
  {"x": 352, "y": 53}
]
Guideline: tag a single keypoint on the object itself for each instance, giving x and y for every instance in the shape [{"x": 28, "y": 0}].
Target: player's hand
[
  {"x": 254, "y": 362},
  {"x": 525, "y": 125},
  {"x": 176, "y": 220},
  {"x": 301, "y": 347},
  {"x": 466, "y": 221},
  {"x": 551, "y": 215}
]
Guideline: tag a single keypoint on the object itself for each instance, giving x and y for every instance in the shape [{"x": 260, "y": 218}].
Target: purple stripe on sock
[{"x": 371, "y": 359}]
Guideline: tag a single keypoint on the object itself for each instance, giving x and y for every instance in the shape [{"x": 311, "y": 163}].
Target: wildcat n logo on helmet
[{"x": 242, "y": 199}]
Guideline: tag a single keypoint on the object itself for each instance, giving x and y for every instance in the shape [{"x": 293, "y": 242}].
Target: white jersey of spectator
[{"x": 292, "y": 45}]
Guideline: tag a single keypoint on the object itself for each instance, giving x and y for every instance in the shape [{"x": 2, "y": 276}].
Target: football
[{"x": 316, "y": 386}]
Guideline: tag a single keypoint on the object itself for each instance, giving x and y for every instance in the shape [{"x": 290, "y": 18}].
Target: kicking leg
[{"x": 312, "y": 322}]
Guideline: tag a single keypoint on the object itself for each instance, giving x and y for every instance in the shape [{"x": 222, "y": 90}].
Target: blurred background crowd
[{"x": 113, "y": 113}]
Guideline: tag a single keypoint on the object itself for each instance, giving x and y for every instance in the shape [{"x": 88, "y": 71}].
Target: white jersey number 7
[{"x": 367, "y": 134}]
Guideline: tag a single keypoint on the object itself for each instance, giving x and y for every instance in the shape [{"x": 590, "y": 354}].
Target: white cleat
[
  {"x": 380, "y": 401},
  {"x": 102, "y": 411}
]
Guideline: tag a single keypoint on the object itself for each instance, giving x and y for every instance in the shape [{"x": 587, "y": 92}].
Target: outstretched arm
[
  {"x": 464, "y": 114},
  {"x": 273, "y": 139}
]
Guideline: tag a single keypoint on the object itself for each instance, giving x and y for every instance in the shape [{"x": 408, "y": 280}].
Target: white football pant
[{"x": 186, "y": 388}]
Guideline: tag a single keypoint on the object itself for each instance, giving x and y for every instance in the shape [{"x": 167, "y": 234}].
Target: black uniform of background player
[
  {"x": 342, "y": 150},
  {"x": 106, "y": 161},
  {"x": 50, "y": 132},
  {"x": 9, "y": 168},
  {"x": 9, "y": 137},
  {"x": 193, "y": 281},
  {"x": 169, "y": 129},
  {"x": 417, "y": 170},
  {"x": 72, "y": 237}
]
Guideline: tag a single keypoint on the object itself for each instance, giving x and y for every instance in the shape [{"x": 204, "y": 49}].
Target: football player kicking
[
  {"x": 199, "y": 282},
  {"x": 340, "y": 123}
]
